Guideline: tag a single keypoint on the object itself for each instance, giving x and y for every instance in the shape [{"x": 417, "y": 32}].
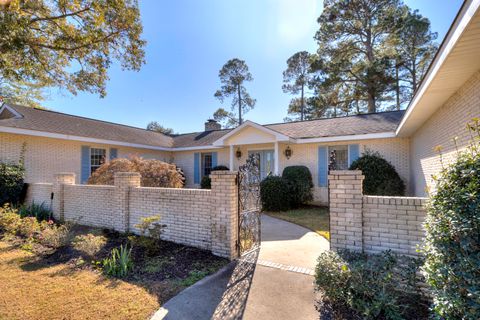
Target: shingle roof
[
  {"x": 197, "y": 139},
  {"x": 56, "y": 122},
  {"x": 341, "y": 126}
]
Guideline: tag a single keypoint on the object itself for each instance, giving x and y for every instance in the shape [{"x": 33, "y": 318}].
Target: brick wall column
[
  {"x": 346, "y": 205},
  {"x": 224, "y": 213},
  {"x": 123, "y": 182},
  {"x": 60, "y": 180}
]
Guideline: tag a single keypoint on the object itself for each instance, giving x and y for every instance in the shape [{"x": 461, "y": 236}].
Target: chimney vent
[{"x": 212, "y": 124}]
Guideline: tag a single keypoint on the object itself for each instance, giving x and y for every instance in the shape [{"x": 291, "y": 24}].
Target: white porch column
[
  {"x": 276, "y": 158},
  {"x": 231, "y": 158}
]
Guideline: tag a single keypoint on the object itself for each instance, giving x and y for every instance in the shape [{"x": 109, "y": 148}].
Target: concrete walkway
[{"x": 275, "y": 283}]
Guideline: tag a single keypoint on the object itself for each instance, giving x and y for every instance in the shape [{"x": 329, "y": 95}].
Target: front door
[{"x": 267, "y": 162}]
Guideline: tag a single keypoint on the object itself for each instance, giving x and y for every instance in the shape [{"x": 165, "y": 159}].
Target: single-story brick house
[{"x": 447, "y": 98}]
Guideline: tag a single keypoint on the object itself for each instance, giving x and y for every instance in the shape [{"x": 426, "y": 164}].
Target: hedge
[{"x": 274, "y": 194}]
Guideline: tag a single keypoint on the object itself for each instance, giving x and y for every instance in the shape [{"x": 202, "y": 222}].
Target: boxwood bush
[
  {"x": 11, "y": 182},
  {"x": 376, "y": 286},
  {"x": 381, "y": 178},
  {"x": 452, "y": 244},
  {"x": 300, "y": 184},
  {"x": 274, "y": 194}
]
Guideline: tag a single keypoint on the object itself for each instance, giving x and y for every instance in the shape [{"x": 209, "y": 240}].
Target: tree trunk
[
  {"x": 371, "y": 103},
  {"x": 414, "y": 76},
  {"x": 397, "y": 87},
  {"x": 240, "y": 121},
  {"x": 302, "y": 106}
]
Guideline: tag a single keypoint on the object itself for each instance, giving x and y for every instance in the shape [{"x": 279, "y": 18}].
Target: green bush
[
  {"x": 11, "y": 183},
  {"x": 119, "y": 263},
  {"x": 300, "y": 184},
  {"x": 377, "y": 286},
  {"x": 39, "y": 211},
  {"x": 381, "y": 178},
  {"x": 274, "y": 194},
  {"x": 452, "y": 243},
  {"x": 206, "y": 182}
]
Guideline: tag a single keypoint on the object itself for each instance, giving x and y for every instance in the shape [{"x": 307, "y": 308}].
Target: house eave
[{"x": 356, "y": 137}]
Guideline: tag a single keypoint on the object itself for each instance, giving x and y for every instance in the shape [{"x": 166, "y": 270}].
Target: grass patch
[
  {"x": 31, "y": 290},
  {"x": 312, "y": 217}
]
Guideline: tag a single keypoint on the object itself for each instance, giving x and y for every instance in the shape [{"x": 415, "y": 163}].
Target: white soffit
[{"x": 457, "y": 60}]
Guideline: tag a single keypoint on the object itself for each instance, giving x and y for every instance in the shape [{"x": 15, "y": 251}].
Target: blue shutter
[
  {"x": 113, "y": 153},
  {"x": 214, "y": 159},
  {"x": 196, "y": 168},
  {"x": 353, "y": 153},
  {"x": 322, "y": 167},
  {"x": 85, "y": 164}
]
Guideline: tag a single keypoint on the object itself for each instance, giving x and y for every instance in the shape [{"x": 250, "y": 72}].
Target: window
[
  {"x": 97, "y": 158},
  {"x": 341, "y": 156},
  {"x": 206, "y": 164}
]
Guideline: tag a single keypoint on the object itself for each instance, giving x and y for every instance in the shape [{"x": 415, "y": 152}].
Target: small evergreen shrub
[
  {"x": 300, "y": 184},
  {"x": 274, "y": 194},
  {"x": 452, "y": 243},
  {"x": 206, "y": 183},
  {"x": 381, "y": 178},
  {"x": 376, "y": 286},
  {"x": 11, "y": 183},
  {"x": 220, "y": 168}
]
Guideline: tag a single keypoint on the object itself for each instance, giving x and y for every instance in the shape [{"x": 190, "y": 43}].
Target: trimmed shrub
[
  {"x": 377, "y": 286},
  {"x": 154, "y": 173},
  {"x": 452, "y": 243},
  {"x": 381, "y": 178},
  {"x": 11, "y": 183},
  {"x": 274, "y": 194},
  {"x": 206, "y": 182},
  {"x": 300, "y": 184}
]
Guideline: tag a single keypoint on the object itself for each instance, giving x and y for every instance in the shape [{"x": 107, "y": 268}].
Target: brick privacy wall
[
  {"x": 205, "y": 219},
  {"x": 445, "y": 124},
  {"x": 39, "y": 193},
  {"x": 186, "y": 212},
  {"x": 372, "y": 223}
]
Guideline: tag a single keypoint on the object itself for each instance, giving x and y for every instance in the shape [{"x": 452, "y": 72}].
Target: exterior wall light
[
  {"x": 238, "y": 153},
  {"x": 288, "y": 152}
]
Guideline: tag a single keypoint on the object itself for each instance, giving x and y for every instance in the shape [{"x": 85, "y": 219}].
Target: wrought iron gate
[{"x": 249, "y": 205}]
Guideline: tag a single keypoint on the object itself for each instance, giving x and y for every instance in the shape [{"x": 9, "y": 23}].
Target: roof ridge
[{"x": 347, "y": 116}]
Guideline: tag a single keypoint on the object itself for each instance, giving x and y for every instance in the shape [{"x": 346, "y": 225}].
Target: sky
[{"x": 188, "y": 41}]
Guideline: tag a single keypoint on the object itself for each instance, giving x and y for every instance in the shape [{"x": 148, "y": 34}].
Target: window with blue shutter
[
  {"x": 322, "y": 167},
  {"x": 214, "y": 159},
  {"x": 85, "y": 164},
  {"x": 196, "y": 168},
  {"x": 353, "y": 153},
  {"x": 113, "y": 153}
]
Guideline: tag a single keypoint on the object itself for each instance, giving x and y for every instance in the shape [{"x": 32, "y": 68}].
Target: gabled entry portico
[{"x": 249, "y": 138}]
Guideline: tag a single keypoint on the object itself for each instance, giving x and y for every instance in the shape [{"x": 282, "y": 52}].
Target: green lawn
[{"x": 312, "y": 217}]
